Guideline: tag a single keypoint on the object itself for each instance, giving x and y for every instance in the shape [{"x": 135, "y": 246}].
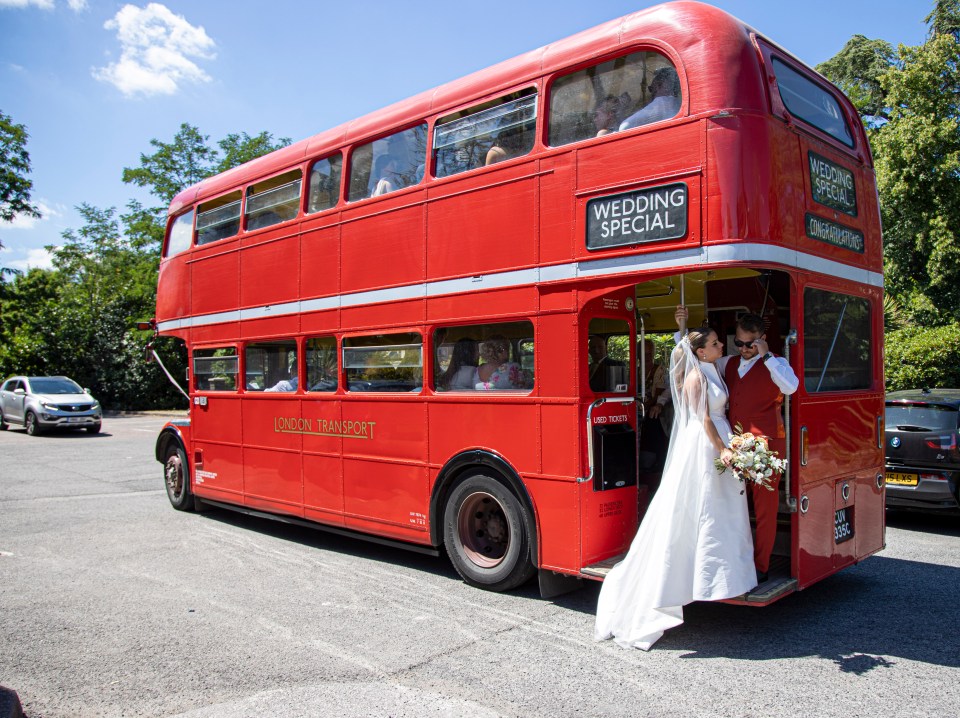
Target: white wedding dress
[{"x": 694, "y": 542}]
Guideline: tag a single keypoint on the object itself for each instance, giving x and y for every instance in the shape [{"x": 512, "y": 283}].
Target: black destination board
[
  {"x": 832, "y": 185},
  {"x": 838, "y": 235},
  {"x": 652, "y": 214}
]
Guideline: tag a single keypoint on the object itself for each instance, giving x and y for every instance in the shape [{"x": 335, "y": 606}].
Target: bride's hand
[{"x": 726, "y": 456}]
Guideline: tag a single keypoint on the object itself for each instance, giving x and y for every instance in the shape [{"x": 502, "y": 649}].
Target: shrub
[{"x": 918, "y": 357}]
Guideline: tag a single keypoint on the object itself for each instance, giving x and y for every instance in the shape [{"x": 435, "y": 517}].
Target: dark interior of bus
[{"x": 716, "y": 299}]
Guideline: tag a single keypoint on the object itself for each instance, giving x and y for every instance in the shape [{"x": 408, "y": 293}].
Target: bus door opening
[{"x": 716, "y": 298}]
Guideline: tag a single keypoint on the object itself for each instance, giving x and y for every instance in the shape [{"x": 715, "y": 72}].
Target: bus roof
[{"x": 703, "y": 41}]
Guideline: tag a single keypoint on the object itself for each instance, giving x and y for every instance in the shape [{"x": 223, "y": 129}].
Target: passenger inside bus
[
  {"x": 657, "y": 403},
  {"x": 665, "y": 89},
  {"x": 509, "y": 144},
  {"x": 388, "y": 179},
  {"x": 605, "y": 373},
  {"x": 497, "y": 371},
  {"x": 461, "y": 373},
  {"x": 609, "y": 112}
]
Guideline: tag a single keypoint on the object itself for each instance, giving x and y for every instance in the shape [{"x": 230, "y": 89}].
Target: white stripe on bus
[{"x": 674, "y": 259}]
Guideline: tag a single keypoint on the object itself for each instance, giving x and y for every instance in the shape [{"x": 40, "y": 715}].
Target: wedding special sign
[{"x": 652, "y": 214}]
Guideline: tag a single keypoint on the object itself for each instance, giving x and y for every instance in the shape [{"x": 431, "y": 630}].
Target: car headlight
[
  {"x": 48, "y": 406},
  {"x": 96, "y": 404}
]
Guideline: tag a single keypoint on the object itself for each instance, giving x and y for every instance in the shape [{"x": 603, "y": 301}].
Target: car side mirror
[
  {"x": 19, "y": 390},
  {"x": 86, "y": 390}
]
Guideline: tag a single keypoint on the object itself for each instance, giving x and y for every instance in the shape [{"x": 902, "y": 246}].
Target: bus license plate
[
  {"x": 843, "y": 525},
  {"x": 895, "y": 477}
]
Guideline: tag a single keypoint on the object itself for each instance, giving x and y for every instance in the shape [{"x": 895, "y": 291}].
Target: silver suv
[{"x": 47, "y": 402}]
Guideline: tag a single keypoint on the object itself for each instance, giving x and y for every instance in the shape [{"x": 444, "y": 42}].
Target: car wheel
[
  {"x": 93, "y": 429},
  {"x": 31, "y": 423},
  {"x": 176, "y": 478},
  {"x": 485, "y": 527},
  {"x": 3, "y": 423}
]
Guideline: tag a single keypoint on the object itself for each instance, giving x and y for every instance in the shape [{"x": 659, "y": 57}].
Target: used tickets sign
[{"x": 646, "y": 215}]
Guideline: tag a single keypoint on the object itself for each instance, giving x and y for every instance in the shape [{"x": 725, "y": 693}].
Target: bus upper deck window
[
  {"x": 181, "y": 232},
  {"x": 324, "y": 184},
  {"x": 630, "y": 91},
  {"x": 273, "y": 201},
  {"x": 811, "y": 102},
  {"x": 487, "y": 133},
  {"x": 219, "y": 218},
  {"x": 388, "y": 164}
]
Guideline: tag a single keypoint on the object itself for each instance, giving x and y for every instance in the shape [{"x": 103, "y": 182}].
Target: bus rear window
[
  {"x": 838, "y": 351},
  {"x": 811, "y": 103},
  {"x": 324, "y": 184}
]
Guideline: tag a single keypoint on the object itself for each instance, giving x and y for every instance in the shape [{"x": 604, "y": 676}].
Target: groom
[{"x": 756, "y": 394}]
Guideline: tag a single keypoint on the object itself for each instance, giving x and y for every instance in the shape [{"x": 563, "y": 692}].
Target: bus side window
[
  {"x": 324, "y": 184},
  {"x": 384, "y": 362},
  {"x": 484, "y": 357},
  {"x": 271, "y": 366},
  {"x": 219, "y": 218},
  {"x": 322, "y": 369},
  {"x": 215, "y": 369},
  {"x": 388, "y": 164},
  {"x": 484, "y": 134},
  {"x": 616, "y": 95},
  {"x": 273, "y": 201}
]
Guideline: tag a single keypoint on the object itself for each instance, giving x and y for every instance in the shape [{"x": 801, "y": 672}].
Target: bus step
[
  {"x": 773, "y": 589},
  {"x": 600, "y": 569}
]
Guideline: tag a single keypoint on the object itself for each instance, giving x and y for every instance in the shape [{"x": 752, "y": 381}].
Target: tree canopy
[{"x": 78, "y": 318}]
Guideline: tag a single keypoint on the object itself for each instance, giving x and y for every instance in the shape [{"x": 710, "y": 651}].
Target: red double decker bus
[{"x": 391, "y": 324}]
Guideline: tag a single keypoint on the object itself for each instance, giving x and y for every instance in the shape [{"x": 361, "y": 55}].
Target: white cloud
[
  {"x": 75, "y": 5},
  {"x": 36, "y": 258},
  {"x": 42, "y": 4},
  {"x": 156, "y": 48},
  {"x": 25, "y": 222}
]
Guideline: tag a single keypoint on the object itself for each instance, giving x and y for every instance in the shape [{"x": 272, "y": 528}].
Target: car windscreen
[
  {"x": 54, "y": 385},
  {"x": 921, "y": 417}
]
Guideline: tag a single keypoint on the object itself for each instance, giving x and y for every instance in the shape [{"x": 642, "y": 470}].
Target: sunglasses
[{"x": 737, "y": 343}]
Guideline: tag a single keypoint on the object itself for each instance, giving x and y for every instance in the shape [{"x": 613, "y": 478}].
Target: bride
[{"x": 694, "y": 542}]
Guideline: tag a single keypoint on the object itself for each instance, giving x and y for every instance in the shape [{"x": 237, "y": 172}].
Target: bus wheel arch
[{"x": 484, "y": 516}]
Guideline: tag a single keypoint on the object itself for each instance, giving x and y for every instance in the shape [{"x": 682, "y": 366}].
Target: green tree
[
  {"x": 15, "y": 186},
  {"x": 175, "y": 165},
  {"x": 911, "y": 101}
]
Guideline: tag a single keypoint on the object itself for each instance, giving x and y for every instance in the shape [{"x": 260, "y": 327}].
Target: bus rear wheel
[
  {"x": 485, "y": 529},
  {"x": 176, "y": 478}
]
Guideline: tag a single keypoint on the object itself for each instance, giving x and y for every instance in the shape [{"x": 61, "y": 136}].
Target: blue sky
[{"x": 95, "y": 81}]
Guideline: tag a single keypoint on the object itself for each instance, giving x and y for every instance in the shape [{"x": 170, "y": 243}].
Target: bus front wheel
[
  {"x": 176, "y": 478},
  {"x": 485, "y": 530}
]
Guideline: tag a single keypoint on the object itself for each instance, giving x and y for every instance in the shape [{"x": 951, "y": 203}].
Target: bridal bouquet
[{"x": 753, "y": 461}]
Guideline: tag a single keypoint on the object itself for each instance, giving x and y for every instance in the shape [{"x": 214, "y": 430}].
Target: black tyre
[
  {"x": 486, "y": 532},
  {"x": 3, "y": 424},
  {"x": 93, "y": 429},
  {"x": 176, "y": 478},
  {"x": 31, "y": 423}
]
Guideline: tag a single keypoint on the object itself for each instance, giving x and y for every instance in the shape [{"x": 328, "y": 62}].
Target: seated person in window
[
  {"x": 509, "y": 144},
  {"x": 284, "y": 385},
  {"x": 461, "y": 373},
  {"x": 665, "y": 89},
  {"x": 600, "y": 364},
  {"x": 386, "y": 170},
  {"x": 609, "y": 113},
  {"x": 497, "y": 371}
]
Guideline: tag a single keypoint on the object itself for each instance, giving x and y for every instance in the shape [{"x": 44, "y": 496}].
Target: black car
[{"x": 923, "y": 449}]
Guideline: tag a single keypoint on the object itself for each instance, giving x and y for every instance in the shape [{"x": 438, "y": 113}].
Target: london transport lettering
[
  {"x": 832, "y": 185},
  {"x": 832, "y": 233},
  {"x": 322, "y": 427},
  {"x": 647, "y": 215}
]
